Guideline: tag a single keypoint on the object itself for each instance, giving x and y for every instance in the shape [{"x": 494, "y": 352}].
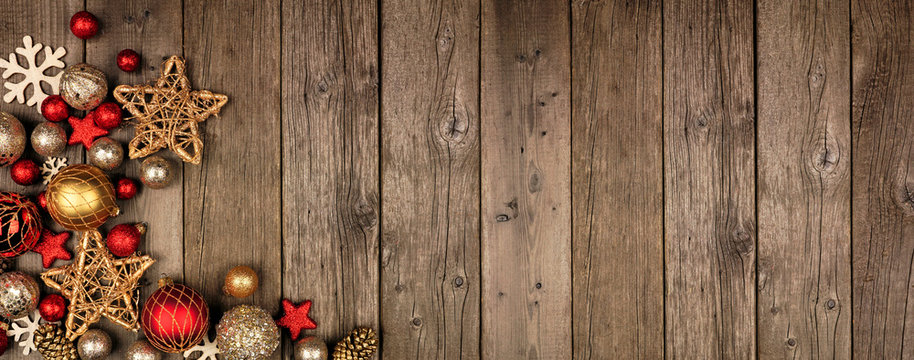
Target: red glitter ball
[
  {"x": 175, "y": 317},
  {"x": 128, "y": 60},
  {"x": 126, "y": 189},
  {"x": 25, "y": 172},
  {"x": 52, "y": 307},
  {"x": 84, "y": 25},
  {"x": 43, "y": 200},
  {"x": 54, "y": 108},
  {"x": 124, "y": 239},
  {"x": 108, "y": 116}
]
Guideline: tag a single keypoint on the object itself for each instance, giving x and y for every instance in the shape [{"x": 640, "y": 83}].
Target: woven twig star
[
  {"x": 98, "y": 285},
  {"x": 167, "y": 113}
]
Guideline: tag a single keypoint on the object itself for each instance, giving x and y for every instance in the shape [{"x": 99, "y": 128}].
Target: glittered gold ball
[
  {"x": 12, "y": 139},
  {"x": 142, "y": 350},
  {"x": 49, "y": 139},
  {"x": 80, "y": 197},
  {"x": 83, "y": 86},
  {"x": 247, "y": 333},
  {"x": 94, "y": 345},
  {"x": 310, "y": 348},
  {"x": 156, "y": 172},
  {"x": 18, "y": 295},
  {"x": 106, "y": 154},
  {"x": 241, "y": 281}
]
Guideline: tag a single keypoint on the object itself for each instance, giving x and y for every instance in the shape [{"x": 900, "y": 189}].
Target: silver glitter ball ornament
[
  {"x": 310, "y": 348},
  {"x": 18, "y": 295},
  {"x": 247, "y": 333},
  {"x": 49, "y": 139},
  {"x": 83, "y": 86},
  {"x": 106, "y": 154},
  {"x": 94, "y": 345},
  {"x": 142, "y": 350},
  {"x": 12, "y": 139},
  {"x": 156, "y": 172}
]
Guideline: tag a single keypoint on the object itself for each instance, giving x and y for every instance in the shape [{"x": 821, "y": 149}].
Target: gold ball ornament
[
  {"x": 12, "y": 139},
  {"x": 49, "y": 139},
  {"x": 247, "y": 333},
  {"x": 83, "y": 86},
  {"x": 18, "y": 295},
  {"x": 106, "y": 154},
  {"x": 310, "y": 348},
  {"x": 156, "y": 172},
  {"x": 94, "y": 345},
  {"x": 80, "y": 197},
  {"x": 143, "y": 350},
  {"x": 241, "y": 281}
]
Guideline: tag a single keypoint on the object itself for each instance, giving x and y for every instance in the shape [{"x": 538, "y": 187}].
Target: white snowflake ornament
[
  {"x": 51, "y": 167},
  {"x": 34, "y": 74},
  {"x": 208, "y": 350},
  {"x": 23, "y": 331}
]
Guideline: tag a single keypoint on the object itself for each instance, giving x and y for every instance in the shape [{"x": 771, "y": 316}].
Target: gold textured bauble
[
  {"x": 241, "y": 281},
  {"x": 80, "y": 197},
  {"x": 49, "y": 139},
  {"x": 94, "y": 345},
  {"x": 310, "y": 348},
  {"x": 156, "y": 172},
  {"x": 12, "y": 139},
  {"x": 143, "y": 350},
  {"x": 247, "y": 332},
  {"x": 83, "y": 86},
  {"x": 105, "y": 153}
]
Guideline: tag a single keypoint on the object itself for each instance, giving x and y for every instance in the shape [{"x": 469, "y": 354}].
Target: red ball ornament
[
  {"x": 25, "y": 172},
  {"x": 175, "y": 317},
  {"x": 20, "y": 224},
  {"x": 43, "y": 200},
  {"x": 55, "y": 109},
  {"x": 126, "y": 189},
  {"x": 52, "y": 307},
  {"x": 128, "y": 60},
  {"x": 84, "y": 25},
  {"x": 4, "y": 340},
  {"x": 108, "y": 116},
  {"x": 124, "y": 239}
]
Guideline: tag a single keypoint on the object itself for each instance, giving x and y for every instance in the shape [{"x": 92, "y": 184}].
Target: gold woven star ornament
[
  {"x": 98, "y": 285},
  {"x": 167, "y": 114}
]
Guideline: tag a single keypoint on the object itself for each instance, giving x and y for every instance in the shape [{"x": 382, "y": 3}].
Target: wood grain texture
[
  {"x": 430, "y": 277},
  {"x": 330, "y": 157},
  {"x": 709, "y": 142},
  {"x": 526, "y": 187},
  {"x": 148, "y": 28},
  {"x": 617, "y": 175},
  {"x": 883, "y": 179},
  {"x": 804, "y": 180},
  {"x": 232, "y": 200}
]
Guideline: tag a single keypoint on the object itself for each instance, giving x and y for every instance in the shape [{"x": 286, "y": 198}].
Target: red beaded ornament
[
  {"x": 126, "y": 189},
  {"x": 128, "y": 60},
  {"x": 175, "y": 317},
  {"x": 20, "y": 224},
  {"x": 84, "y": 25},
  {"x": 52, "y": 308},
  {"x": 124, "y": 239},
  {"x": 25, "y": 172},
  {"x": 108, "y": 116},
  {"x": 55, "y": 109}
]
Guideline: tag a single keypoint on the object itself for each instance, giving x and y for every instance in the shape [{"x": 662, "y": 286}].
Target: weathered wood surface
[
  {"x": 617, "y": 176},
  {"x": 526, "y": 187}
]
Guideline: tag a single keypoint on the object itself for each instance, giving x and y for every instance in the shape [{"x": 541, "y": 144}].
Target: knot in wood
[
  {"x": 453, "y": 123},
  {"x": 905, "y": 196},
  {"x": 826, "y": 154}
]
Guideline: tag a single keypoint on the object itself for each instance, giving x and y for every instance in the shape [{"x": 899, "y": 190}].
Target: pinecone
[
  {"x": 360, "y": 344},
  {"x": 52, "y": 343}
]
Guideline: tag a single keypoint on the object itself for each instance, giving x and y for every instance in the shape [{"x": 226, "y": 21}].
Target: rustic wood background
[{"x": 536, "y": 179}]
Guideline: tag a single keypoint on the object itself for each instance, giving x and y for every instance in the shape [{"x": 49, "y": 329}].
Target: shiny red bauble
[
  {"x": 128, "y": 60},
  {"x": 126, "y": 189},
  {"x": 175, "y": 317},
  {"x": 52, "y": 307},
  {"x": 25, "y": 172},
  {"x": 84, "y": 25},
  {"x": 124, "y": 239},
  {"x": 43, "y": 200},
  {"x": 55, "y": 109},
  {"x": 20, "y": 224},
  {"x": 108, "y": 115}
]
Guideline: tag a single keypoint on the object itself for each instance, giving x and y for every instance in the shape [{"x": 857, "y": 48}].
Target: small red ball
[
  {"x": 124, "y": 239},
  {"x": 25, "y": 172},
  {"x": 126, "y": 189},
  {"x": 43, "y": 200},
  {"x": 84, "y": 25},
  {"x": 108, "y": 116},
  {"x": 4, "y": 344},
  {"x": 52, "y": 307},
  {"x": 55, "y": 109},
  {"x": 128, "y": 60}
]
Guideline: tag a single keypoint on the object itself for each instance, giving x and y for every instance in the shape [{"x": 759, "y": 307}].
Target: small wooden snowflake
[
  {"x": 23, "y": 331},
  {"x": 51, "y": 167},
  {"x": 208, "y": 350}
]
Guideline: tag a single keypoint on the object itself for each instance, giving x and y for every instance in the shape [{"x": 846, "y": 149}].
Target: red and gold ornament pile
[
  {"x": 175, "y": 317},
  {"x": 20, "y": 224}
]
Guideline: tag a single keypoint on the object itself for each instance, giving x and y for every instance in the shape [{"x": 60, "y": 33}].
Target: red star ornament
[
  {"x": 84, "y": 130},
  {"x": 51, "y": 247},
  {"x": 296, "y": 318}
]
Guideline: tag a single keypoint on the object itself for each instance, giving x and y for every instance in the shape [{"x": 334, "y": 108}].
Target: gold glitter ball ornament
[
  {"x": 49, "y": 139},
  {"x": 80, "y": 197},
  {"x": 83, "y": 86},
  {"x": 241, "y": 281},
  {"x": 310, "y": 348},
  {"x": 106, "y": 153},
  {"x": 247, "y": 333},
  {"x": 143, "y": 350},
  {"x": 94, "y": 345},
  {"x": 12, "y": 139},
  {"x": 18, "y": 295},
  {"x": 52, "y": 343},
  {"x": 360, "y": 344},
  {"x": 156, "y": 172}
]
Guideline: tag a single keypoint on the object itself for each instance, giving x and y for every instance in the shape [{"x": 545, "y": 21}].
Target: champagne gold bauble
[
  {"x": 240, "y": 282},
  {"x": 94, "y": 345},
  {"x": 18, "y": 295},
  {"x": 80, "y": 197},
  {"x": 142, "y": 350},
  {"x": 49, "y": 139},
  {"x": 83, "y": 86},
  {"x": 156, "y": 172},
  {"x": 310, "y": 348},
  {"x": 247, "y": 333},
  {"x": 12, "y": 139},
  {"x": 106, "y": 154}
]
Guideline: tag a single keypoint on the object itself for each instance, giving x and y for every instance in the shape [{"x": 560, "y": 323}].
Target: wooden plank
[
  {"x": 151, "y": 30},
  {"x": 430, "y": 179},
  {"x": 232, "y": 201},
  {"x": 709, "y": 136},
  {"x": 331, "y": 201},
  {"x": 526, "y": 188},
  {"x": 804, "y": 179},
  {"x": 883, "y": 179},
  {"x": 618, "y": 179}
]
